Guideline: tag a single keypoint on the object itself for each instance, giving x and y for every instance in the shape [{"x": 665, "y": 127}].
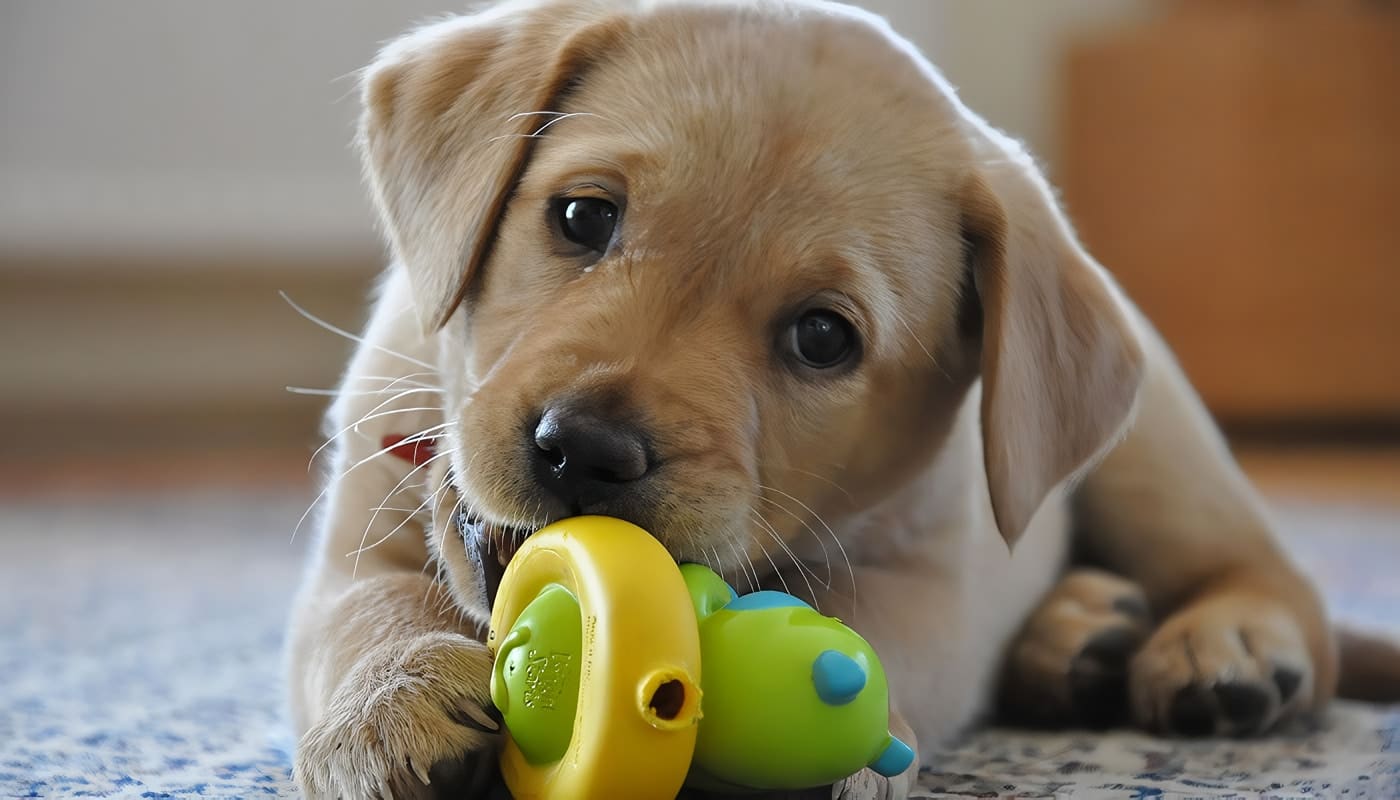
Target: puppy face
[{"x": 728, "y": 274}]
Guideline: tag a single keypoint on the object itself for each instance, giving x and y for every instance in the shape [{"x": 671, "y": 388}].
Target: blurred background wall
[{"x": 166, "y": 168}]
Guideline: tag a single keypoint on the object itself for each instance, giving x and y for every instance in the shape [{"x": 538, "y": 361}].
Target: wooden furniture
[{"x": 1237, "y": 166}]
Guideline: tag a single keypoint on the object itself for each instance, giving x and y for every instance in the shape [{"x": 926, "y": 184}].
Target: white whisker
[
  {"x": 774, "y": 565},
  {"x": 822, "y": 478},
  {"x": 738, "y": 562},
  {"x": 850, "y": 569},
  {"x": 523, "y": 114},
  {"x": 372, "y": 414},
  {"x": 354, "y": 570},
  {"x": 430, "y": 500},
  {"x": 826, "y": 555},
  {"x": 348, "y": 393},
  {"x": 422, "y": 435},
  {"x": 802, "y": 569},
  {"x": 352, "y": 337},
  {"x": 391, "y": 383},
  {"x": 900, "y": 318},
  {"x": 539, "y": 132},
  {"x": 410, "y": 378},
  {"x": 561, "y": 118},
  {"x": 414, "y": 390}
]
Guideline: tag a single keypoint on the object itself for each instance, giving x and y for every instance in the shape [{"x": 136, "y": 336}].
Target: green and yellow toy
[{"x": 620, "y": 674}]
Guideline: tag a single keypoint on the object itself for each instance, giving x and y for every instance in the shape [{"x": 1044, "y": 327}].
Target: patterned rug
[{"x": 140, "y": 643}]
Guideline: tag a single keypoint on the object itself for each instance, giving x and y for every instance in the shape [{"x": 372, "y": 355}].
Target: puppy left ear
[
  {"x": 1060, "y": 362},
  {"x": 451, "y": 114}
]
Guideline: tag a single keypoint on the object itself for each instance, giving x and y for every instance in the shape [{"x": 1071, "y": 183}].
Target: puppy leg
[
  {"x": 390, "y": 683},
  {"x": 1232, "y": 662},
  {"x": 1244, "y": 641},
  {"x": 387, "y": 681},
  {"x": 1069, "y": 663},
  {"x": 411, "y": 709}
]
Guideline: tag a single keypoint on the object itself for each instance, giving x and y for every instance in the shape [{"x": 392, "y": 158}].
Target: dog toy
[{"x": 620, "y": 674}]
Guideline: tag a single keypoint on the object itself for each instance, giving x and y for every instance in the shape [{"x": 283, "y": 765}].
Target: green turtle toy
[{"x": 620, "y": 674}]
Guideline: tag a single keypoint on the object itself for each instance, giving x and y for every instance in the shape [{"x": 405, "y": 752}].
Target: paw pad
[
  {"x": 1192, "y": 712},
  {"x": 1098, "y": 677},
  {"x": 1238, "y": 708}
]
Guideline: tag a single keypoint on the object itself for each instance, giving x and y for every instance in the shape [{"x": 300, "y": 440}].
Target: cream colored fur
[{"x": 868, "y": 177}]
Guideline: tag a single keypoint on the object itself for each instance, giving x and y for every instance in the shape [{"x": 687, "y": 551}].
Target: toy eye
[{"x": 838, "y": 678}]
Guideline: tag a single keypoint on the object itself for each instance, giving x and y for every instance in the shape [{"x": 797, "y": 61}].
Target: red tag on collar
[{"x": 410, "y": 448}]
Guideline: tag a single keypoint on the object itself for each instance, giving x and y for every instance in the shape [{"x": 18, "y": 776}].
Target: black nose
[{"x": 584, "y": 457}]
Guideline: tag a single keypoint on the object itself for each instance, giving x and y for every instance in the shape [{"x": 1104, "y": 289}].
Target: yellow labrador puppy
[{"x": 751, "y": 276}]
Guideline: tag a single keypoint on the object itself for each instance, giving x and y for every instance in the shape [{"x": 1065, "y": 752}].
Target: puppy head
[{"x": 728, "y": 271}]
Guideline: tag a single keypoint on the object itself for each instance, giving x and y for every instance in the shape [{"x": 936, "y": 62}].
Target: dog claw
[{"x": 470, "y": 715}]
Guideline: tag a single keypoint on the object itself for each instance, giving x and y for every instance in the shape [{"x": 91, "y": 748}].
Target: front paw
[
  {"x": 1235, "y": 667},
  {"x": 407, "y": 724},
  {"x": 1069, "y": 663}
]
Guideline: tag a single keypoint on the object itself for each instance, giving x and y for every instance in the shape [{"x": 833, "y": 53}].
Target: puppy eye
[
  {"x": 822, "y": 339},
  {"x": 587, "y": 221}
]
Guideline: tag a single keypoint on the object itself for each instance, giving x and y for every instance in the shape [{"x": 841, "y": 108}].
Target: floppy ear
[
  {"x": 446, "y": 130},
  {"x": 1060, "y": 363}
]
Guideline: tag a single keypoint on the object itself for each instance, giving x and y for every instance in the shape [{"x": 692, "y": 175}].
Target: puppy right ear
[{"x": 450, "y": 116}]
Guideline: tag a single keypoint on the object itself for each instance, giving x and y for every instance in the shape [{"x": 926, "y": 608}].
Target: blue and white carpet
[{"x": 140, "y": 656}]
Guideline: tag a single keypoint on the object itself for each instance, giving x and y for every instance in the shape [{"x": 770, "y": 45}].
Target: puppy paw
[
  {"x": 1069, "y": 664},
  {"x": 1233, "y": 667},
  {"x": 417, "y": 722}
]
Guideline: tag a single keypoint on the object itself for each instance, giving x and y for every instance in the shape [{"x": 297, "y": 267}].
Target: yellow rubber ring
[{"x": 639, "y": 689}]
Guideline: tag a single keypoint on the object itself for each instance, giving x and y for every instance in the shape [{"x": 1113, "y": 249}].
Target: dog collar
[{"x": 413, "y": 449}]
